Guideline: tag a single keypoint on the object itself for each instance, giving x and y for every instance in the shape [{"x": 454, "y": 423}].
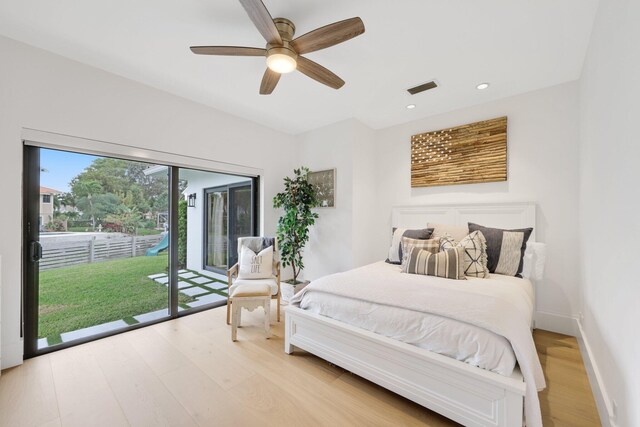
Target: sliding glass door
[
  {"x": 228, "y": 216},
  {"x": 114, "y": 244}
]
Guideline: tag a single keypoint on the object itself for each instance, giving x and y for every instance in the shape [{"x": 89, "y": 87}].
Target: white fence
[{"x": 63, "y": 254}]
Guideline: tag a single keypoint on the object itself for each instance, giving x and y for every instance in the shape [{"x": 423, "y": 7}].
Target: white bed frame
[{"x": 457, "y": 390}]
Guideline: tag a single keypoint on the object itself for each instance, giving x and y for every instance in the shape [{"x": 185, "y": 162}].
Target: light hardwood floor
[{"x": 187, "y": 372}]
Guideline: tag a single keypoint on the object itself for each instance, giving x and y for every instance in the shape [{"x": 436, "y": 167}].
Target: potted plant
[{"x": 297, "y": 200}]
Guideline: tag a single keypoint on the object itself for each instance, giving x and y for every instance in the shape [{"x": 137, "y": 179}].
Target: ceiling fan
[{"x": 283, "y": 52}]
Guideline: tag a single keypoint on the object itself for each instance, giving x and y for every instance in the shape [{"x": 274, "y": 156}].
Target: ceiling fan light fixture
[{"x": 281, "y": 60}]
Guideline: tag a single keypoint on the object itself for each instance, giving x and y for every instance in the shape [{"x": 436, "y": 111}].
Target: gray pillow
[
  {"x": 505, "y": 248},
  {"x": 395, "y": 251}
]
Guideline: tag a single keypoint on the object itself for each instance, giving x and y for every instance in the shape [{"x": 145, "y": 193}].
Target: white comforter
[{"x": 495, "y": 304}]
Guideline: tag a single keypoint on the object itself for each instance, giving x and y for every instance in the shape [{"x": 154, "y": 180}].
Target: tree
[
  {"x": 297, "y": 200},
  {"x": 115, "y": 187},
  {"x": 85, "y": 191},
  {"x": 98, "y": 207}
]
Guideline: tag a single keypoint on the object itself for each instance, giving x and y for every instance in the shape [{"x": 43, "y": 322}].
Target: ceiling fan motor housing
[{"x": 285, "y": 28}]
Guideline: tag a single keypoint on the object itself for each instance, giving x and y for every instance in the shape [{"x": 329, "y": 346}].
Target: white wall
[
  {"x": 329, "y": 247},
  {"x": 609, "y": 205},
  {"x": 339, "y": 240},
  {"x": 48, "y": 92},
  {"x": 366, "y": 218}
]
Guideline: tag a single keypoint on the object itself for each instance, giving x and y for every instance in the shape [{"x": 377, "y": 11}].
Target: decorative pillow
[
  {"x": 458, "y": 232},
  {"x": 408, "y": 244},
  {"x": 505, "y": 248},
  {"x": 255, "y": 266},
  {"x": 448, "y": 264},
  {"x": 475, "y": 253},
  {"x": 395, "y": 251}
]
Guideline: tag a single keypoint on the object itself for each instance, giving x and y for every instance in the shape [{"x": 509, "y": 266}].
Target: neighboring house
[{"x": 47, "y": 196}]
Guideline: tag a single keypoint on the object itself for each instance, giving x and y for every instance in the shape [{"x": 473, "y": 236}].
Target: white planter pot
[{"x": 288, "y": 290}]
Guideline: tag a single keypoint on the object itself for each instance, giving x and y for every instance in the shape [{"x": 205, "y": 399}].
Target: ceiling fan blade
[
  {"x": 262, "y": 20},
  {"x": 318, "y": 73},
  {"x": 269, "y": 82},
  {"x": 328, "y": 35},
  {"x": 228, "y": 50}
]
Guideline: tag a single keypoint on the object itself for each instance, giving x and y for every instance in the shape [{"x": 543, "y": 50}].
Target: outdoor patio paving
[{"x": 205, "y": 286}]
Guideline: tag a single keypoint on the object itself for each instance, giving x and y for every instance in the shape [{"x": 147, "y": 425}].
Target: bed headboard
[{"x": 500, "y": 215}]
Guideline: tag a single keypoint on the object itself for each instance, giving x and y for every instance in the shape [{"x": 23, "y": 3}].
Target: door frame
[
  {"x": 253, "y": 183},
  {"x": 30, "y": 233}
]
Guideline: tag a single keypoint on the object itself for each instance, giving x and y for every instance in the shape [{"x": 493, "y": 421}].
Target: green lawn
[{"x": 76, "y": 297}]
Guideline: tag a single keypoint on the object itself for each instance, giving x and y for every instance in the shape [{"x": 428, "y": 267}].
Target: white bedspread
[{"x": 496, "y": 304}]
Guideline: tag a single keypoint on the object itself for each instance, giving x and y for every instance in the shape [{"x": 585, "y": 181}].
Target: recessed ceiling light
[
  {"x": 411, "y": 106},
  {"x": 482, "y": 86}
]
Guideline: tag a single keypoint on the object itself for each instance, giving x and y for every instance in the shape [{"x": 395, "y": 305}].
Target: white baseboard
[
  {"x": 598, "y": 387},
  {"x": 559, "y": 323},
  {"x": 12, "y": 354}
]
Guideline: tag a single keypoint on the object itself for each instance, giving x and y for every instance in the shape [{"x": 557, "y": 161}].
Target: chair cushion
[
  {"x": 272, "y": 283},
  {"x": 251, "y": 290}
]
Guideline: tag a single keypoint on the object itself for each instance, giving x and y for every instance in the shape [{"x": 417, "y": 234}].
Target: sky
[{"x": 61, "y": 167}]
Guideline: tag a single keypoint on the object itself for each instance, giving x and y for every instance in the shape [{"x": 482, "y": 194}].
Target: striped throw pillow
[
  {"x": 408, "y": 244},
  {"x": 448, "y": 264},
  {"x": 395, "y": 252}
]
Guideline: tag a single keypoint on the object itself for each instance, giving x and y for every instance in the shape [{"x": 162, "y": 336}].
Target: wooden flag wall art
[{"x": 467, "y": 154}]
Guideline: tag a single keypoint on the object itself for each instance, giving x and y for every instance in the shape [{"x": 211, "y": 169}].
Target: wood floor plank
[
  {"x": 52, "y": 423},
  {"x": 224, "y": 370},
  {"x": 143, "y": 397},
  {"x": 158, "y": 354},
  {"x": 21, "y": 388},
  {"x": 188, "y": 371},
  {"x": 83, "y": 391},
  {"x": 207, "y": 402}
]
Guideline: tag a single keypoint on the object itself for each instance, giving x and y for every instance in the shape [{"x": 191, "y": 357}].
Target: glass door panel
[
  {"x": 102, "y": 246},
  {"x": 240, "y": 218}
]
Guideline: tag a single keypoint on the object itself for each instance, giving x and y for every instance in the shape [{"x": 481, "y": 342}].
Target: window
[{"x": 46, "y": 198}]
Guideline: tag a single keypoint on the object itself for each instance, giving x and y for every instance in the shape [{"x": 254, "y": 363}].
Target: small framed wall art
[{"x": 325, "y": 183}]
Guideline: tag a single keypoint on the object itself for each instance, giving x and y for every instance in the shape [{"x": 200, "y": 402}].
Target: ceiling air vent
[{"x": 423, "y": 87}]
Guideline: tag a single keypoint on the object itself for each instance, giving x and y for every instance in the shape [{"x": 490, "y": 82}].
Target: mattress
[{"x": 453, "y": 338}]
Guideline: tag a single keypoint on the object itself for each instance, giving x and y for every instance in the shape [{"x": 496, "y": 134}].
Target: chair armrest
[
  {"x": 276, "y": 272},
  {"x": 230, "y": 272}
]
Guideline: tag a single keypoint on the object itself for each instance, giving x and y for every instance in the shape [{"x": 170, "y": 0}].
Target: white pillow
[
  {"x": 458, "y": 232},
  {"x": 534, "y": 259},
  {"x": 255, "y": 266}
]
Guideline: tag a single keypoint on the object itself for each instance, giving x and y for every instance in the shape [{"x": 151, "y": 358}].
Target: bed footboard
[{"x": 461, "y": 392}]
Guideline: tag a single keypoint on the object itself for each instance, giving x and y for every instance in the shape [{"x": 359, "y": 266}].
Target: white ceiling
[{"x": 517, "y": 45}]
